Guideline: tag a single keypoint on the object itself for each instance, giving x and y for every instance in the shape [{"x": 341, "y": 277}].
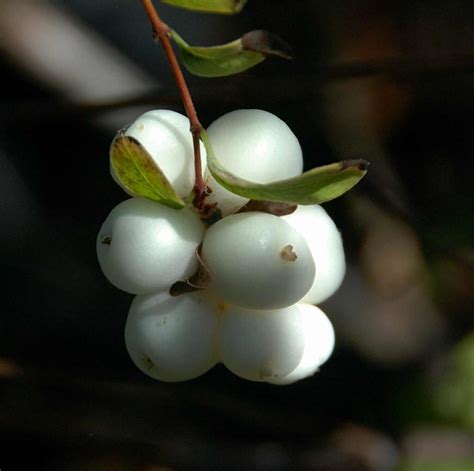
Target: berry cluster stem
[{"x": 161, "y": 32}]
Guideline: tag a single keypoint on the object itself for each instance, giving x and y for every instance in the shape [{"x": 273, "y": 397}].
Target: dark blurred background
[{"x": 388, "y": 81}]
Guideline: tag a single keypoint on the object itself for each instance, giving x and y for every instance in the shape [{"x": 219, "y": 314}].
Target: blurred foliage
[
  {"x": 451, "y": 465},
  {"x": 454, "y": 396}
]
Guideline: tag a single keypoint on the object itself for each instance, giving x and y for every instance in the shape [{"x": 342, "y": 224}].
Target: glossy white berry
[
  {"x": 255, "y": 145},
  {"x": 325, "y": 243},
  {"x": 166, "y": 136},
  {"x": 145, "y": 247},
  {"x": 259, "y": 345},
  {"x": 172, "y": 338},
  {"x": 318, "y": 344},
  {"x": 258, "y": 261}
]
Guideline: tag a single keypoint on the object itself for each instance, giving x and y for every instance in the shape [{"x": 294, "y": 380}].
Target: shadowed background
[{"x": 391, "y": 82}]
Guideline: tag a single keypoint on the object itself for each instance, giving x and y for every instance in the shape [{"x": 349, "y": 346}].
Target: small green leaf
[
  {"x": 315, "y": 186},
  {"x": 231, "y": 58},
  {"x": 224, "y": 7},
  {"x": 137, "y": 172}
]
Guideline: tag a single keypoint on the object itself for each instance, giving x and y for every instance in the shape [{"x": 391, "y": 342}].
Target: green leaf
[
  {"x": 137, "y": 172},
  {"x": 231, "y": 58},
  {"x": 224, "y": 7},
  {"x": 315, "y": 186}
]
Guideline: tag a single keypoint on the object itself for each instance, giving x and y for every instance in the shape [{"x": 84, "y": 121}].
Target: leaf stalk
[{"x": 162, "y": 33}]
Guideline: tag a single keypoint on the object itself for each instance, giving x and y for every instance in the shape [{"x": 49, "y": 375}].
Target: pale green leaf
[
  {"x": 140, "y": 176},
  {"x": 231, "y": 58},
  {"x": 224, "y": 7},
  {"x": 315, "y": 186}
]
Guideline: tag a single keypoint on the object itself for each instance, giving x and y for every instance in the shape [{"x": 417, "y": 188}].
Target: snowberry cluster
[{"x": 257, "y": 314}]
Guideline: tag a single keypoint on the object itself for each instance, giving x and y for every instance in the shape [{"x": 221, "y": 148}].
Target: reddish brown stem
[{"x": 161, "y": 32}]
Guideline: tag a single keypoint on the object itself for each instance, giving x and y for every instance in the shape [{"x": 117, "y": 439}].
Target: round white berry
[
  {"x": 318, "y": 344},
  {"x": 259, "y": 345},
  {"x": 326, "y": 247},
  {"x": 166, "y": 136},
  {"x": 172, "y": 338},
  {"x": 255, "y": 145},
  {"x": 145, "y": 247},
  {"x": 258, "y": 261}
]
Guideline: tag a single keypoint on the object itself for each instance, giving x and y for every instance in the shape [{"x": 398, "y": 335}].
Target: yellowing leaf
[
  {"x": 315, "y": 186},
  {"x": 137, "y": 172}
]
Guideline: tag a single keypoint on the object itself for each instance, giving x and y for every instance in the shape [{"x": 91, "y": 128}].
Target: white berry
[
  {"x": 145, "y": 247},
  {"x": 258, "y": 261},
  {"x": 255, "y": 145},
  {"x": 172, "y": 338},
  {"x": 318, "y": 344},
  {"x": 259, "y": 345},
  {"x": 166, "y": 136},
  {"x": 325, "y": 243}
]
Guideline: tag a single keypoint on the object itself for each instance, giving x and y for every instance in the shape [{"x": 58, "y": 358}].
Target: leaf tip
[
  {"x": 239, "y": 5},
  {"x": 360, "y": 164},
  {"x": 266, "y": 43}
]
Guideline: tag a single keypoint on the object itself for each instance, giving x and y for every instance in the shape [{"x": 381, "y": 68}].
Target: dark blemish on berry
[
  {"x": 288, "y": 254},
  {"x": 106, "y": 240},
  {"x": 147, "y": 363}
]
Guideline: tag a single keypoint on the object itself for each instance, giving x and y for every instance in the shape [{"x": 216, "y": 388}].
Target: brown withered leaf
[
  {"x": 270, "y": 207},
  {"x": 197, "y": 282}
]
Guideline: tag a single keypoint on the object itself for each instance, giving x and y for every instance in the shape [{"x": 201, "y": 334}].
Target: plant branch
[{"x": 161, "y": 32}]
